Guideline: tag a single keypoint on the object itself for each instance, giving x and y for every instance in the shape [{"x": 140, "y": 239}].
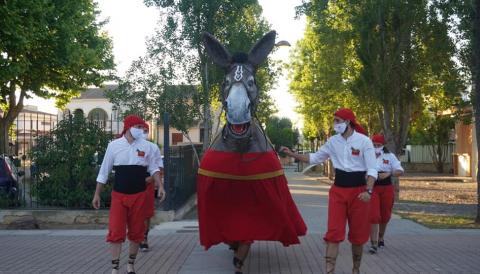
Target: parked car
[{"x": 10, "y": 186}]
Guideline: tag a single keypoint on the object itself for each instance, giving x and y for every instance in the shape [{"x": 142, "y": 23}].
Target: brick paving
[{"x": 410, "y": 248}]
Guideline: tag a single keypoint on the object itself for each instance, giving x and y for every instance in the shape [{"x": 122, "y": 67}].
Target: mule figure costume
[{"x": 243, "y": 194}]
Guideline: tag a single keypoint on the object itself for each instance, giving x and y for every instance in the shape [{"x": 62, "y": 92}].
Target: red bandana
[{"x": 347, "y": 114}]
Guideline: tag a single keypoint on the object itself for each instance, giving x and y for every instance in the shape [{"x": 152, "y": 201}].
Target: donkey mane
[{"x": 240, "y": 57}]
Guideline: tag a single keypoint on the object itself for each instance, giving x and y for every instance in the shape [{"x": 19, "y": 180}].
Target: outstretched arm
[{"x": 301, "y": 157}]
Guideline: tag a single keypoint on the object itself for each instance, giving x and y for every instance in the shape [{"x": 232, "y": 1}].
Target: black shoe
[
  {"x": 373, "y": 250},
  {"x": 144, "y": 247},
  {"x": 381, "y": 243},
  {"x": 238, "y": 264},
  {"x": 233, "y": 246}
]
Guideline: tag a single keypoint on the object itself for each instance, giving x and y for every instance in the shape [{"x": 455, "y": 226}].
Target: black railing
[
  {"x": 180, "y": 183},
  {"x": 181, "y": 167}
]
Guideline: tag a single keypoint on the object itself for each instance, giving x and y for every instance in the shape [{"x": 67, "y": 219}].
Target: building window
[
  {"x": 177, "y": 138},
  {"x": 66, "y": 113},
  {"x": 78, "y": 111},
  {"x": 99, "y": 117}
]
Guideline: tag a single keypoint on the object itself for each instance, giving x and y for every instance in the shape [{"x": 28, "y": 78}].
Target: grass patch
[{"x": 441, "y": 221}]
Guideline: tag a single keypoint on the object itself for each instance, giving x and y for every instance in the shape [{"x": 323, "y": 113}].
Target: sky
[{"x": 130, "y": 22}]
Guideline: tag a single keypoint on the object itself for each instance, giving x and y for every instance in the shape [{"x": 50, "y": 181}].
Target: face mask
[
  {"x": 378, "y": 150},
  {"x": 145, "y": 136},
  {"x": 340, "y": 128},
  {"x": 136, "y": 133}
]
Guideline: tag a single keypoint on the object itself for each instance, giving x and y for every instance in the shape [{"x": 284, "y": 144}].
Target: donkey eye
[
  {"x": 227, "y": 82},
  {"x": 250, "y": 83}
]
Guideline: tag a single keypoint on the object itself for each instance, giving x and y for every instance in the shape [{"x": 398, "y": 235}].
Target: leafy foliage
[
  {"x": 236, "y": 23},
  {"x": 382, "y": 58},
  {"x": 67, "y": 161},
  {"x": 51, "y": 49},
  {"x": 280, "y": 131}
]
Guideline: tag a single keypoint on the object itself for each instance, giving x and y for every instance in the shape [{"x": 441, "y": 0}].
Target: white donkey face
[
  {"x": 239, "y": 96},
  {"x": 239, "y": 90}
]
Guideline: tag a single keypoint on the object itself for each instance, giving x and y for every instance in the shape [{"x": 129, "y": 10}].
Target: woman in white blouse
[{"x": 381, "y": 203}]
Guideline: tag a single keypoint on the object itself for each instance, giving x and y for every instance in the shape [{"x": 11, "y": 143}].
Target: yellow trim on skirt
[{"x": 260, "y": 176}]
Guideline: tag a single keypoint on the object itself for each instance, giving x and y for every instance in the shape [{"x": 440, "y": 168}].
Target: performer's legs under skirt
[{"x": 240, "y": 255}]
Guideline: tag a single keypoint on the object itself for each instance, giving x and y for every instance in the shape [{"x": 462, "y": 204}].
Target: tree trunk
[
  {"x": 197, "y": 159},
  {"x": 10, "y": 115},
  {"x": 476, "y": 88},
  {"x": 439, "y": 158},
  {"x": 3, "y": 137}
]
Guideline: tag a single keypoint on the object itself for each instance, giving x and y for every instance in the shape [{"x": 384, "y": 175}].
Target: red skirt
[{"x": 245, "y": 197}]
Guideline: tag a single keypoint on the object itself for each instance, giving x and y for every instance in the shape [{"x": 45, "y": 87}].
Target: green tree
[
  {"x": 67, "y": 163},
  {"x": 464, "y": 20},
  {"x": 323, "y": 68},
  {"x": 50, "y": 49},
  {"x": 432, "y": 127},
  {"x": 237, "y": 23},
  {"x": 280, "y": 131},
  {"x": 475, "y": 41},
  {"x": 379, "y": 57},
  {"x": 407, "y": 54}
]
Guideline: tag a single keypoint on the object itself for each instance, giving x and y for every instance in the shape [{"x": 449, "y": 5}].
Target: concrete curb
[{"x": 76, "y": 219}]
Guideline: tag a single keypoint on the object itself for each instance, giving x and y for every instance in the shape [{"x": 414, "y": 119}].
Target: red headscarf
[
  {"x": 347, "y": 114},
  {"x": 130, "y": 121},
  {"x": 147, "y": 126},
  {"x": 378, "y": 138}
]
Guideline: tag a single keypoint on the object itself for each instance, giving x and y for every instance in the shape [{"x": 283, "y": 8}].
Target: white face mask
[
  {"x": 145, "y": 136},
  {"x": 136, "y": 133},
  {"x": 340, "y": 127},
  {"x": 378, "y": 150}
]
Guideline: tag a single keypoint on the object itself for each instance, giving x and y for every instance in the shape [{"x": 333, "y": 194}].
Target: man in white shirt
[
  {"x": 131, "y": 157},
  {"x": 353, "y": 157}
]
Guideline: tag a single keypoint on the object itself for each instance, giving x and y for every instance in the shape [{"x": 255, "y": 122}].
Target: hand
[
  {"x": 161, "y": 195},
  {"x": 364, "y": 196},
  {"x": 149, "y": 180},
  {"x": 384, "y": 175},
  {"x": 96, "y": 201},
  {"x": 285, "y": 150}
]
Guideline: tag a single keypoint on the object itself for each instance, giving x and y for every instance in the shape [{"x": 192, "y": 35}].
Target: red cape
[{"x": 245, "y": 197}]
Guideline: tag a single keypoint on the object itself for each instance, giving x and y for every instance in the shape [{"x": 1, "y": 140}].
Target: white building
[
  {"x": 28, "y": 126},
  {"x": 94, "y": 104}
]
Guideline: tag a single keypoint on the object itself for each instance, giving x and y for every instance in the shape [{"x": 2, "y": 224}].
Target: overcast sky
[{"x": 130, "y": 22}]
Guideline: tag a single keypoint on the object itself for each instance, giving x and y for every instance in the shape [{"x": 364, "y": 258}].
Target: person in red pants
[
  {"x": 353, "y": 157},
  {"x": 152, "y": 191},
  {"x": 388, "y": 166},
  {"x": 131, "y": 157}
]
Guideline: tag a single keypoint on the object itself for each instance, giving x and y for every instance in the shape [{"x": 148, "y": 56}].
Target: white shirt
[
  {"x": 356, "y": 153},
  {"x": 157, "y": 155},
  {"x": 120, "y": 152},
  {"x": 387, "y": 162}
]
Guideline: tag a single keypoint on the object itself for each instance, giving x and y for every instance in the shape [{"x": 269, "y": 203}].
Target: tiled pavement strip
[{"x": 410, "y": 248}]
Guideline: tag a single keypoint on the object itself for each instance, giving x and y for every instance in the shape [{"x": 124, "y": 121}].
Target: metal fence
[
  {"x": 180, "y": 185},
  {"x": 423, "y": 154}
]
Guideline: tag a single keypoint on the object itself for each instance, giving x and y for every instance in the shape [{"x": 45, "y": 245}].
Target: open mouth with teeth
[{"x": 239, "y": 129}]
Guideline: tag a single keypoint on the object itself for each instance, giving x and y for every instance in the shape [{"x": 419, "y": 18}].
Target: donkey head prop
[{"x": 239, "y": 93}]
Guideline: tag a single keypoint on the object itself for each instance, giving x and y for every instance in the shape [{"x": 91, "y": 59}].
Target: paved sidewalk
[{"x": 410, "y": 248}]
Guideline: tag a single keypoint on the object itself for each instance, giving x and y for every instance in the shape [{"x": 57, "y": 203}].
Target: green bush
[{"x": 67, "y": 162}]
